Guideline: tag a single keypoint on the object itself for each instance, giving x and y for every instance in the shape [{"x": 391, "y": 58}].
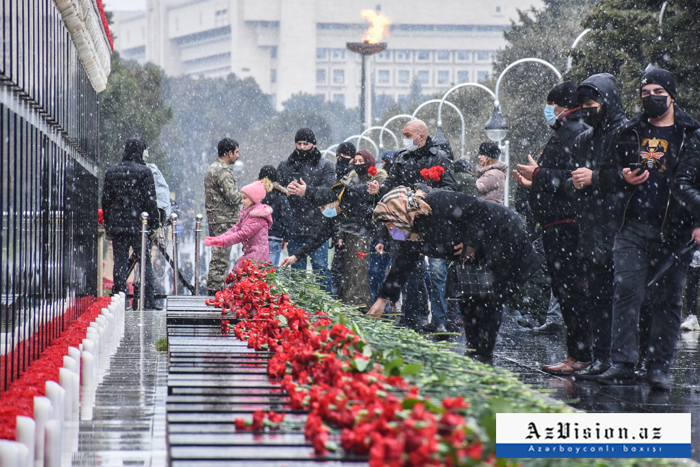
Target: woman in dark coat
[{"x": 439, "y": 224}]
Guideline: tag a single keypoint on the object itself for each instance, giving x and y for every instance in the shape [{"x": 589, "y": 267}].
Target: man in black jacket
[
  {"x": 303, "y": 173},
  {"x": 129, "y": 190},
  {"x": 558, "y": 214},
  {"x": 652, "y": 225},
  {"x": 601, "y": 109}
]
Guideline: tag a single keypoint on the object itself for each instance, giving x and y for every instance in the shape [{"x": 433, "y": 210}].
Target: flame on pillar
[{"x": 379, "y": 26}]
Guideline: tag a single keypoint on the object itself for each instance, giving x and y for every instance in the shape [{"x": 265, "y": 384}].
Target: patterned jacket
[{"x": 222, "y": 200}]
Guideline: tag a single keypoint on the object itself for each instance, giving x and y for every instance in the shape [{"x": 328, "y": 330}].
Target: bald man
[{"x": 419, "y": 153}]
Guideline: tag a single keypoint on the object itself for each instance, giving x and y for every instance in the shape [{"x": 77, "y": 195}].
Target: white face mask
[
  {"x": 145, "y": 155},
  {"x": 409, "y": 145}
]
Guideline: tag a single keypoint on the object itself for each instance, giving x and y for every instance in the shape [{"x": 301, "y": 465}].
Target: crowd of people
[{"x": 615, "y": 202}]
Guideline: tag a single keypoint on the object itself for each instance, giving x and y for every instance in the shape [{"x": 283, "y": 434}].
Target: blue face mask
[
  {"x": 398, "y": 234},
  {"x": 330, "y": 212},
  {"x": 549, "y": 114}
]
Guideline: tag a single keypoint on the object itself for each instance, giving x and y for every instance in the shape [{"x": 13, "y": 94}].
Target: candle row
[{"x": 40, "y": 440}]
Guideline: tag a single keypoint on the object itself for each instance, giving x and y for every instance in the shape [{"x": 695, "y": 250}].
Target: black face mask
[
  {"x": 655, "y": 106},
  {"x": 361, "y": 169},
  {"x": 305, "y": 154},
  {"x": 591, "y": 116}
]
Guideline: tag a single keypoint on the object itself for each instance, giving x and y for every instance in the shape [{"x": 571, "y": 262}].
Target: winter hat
[
  {"x": 325, "y": 196},
  {"x": 389, "y": 155},
  {"x": 269, "y": 172},
  {"x": 463, "y": 165},
  {"x": 346, "y": 148},
  {"x": 490, "y": 150},
  {"x": 255, "y": 191},
  {"x": 586, "y": 93},
  {"x": 305, "y": 134},
  {"x": 662, "y": 78},
  {"x": 369, "y": 159},
  {"x": 564, "y": 95}
]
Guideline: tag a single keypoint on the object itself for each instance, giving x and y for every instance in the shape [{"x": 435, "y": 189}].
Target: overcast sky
[{"x": 118, "y": 5}]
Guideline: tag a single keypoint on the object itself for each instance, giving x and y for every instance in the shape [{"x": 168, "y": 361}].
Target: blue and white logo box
[{"x": 592, "y": 435}]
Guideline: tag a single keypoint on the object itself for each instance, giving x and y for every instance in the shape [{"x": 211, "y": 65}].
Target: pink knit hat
[{"x": 255, "y": 191}]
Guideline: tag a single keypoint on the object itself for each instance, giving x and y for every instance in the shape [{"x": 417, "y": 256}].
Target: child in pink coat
[{"x": 251, "y": 229}]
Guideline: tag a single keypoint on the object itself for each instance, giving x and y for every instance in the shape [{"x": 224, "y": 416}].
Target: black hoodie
[
  {"x": 129, "y": 190},
  {"x": 597, "y": 222}
]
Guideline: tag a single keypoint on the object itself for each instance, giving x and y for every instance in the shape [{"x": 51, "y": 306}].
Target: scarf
[{"x": 400, "y": 207}]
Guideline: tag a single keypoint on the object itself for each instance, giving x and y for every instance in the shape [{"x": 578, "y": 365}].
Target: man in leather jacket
[{"x": 652, "y": 225}]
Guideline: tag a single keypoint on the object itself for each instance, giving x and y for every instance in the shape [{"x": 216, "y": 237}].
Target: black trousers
[
  {"x": 569, "y": 286},
  {"x": 482, "y": 320},
  {"x": 120, "y": 247}
]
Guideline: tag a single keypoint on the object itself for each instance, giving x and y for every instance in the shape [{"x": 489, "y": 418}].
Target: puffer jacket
[
  {"x": 129, "y": 190},
  {"x": 316, "y": 172},
  {"x": 597, "y": 224},
  {"x": 491, "y": 182},
  {"x": 251, "y": 231},
  {"x": 686, "y": 184},
  {"x": 548, "y": 199},
  {"x": 625, "y": 149}
]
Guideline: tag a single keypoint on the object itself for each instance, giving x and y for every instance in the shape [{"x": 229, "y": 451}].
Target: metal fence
[{"x": 49, "y": 123}]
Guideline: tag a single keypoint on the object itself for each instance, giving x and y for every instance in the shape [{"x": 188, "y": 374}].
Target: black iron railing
[{"x": 49, "y": 124}]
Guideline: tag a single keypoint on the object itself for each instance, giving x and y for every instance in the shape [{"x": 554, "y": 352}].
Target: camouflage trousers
[{"x": 218, "y": 265}]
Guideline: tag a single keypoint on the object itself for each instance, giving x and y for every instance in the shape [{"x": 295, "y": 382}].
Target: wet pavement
[
  {"x": 524, "y": 352},
  {"x": 128, "y": 419}
]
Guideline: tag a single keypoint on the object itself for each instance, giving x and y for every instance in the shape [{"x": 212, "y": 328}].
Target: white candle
[
  {"x": 76, "y": 394},
  {"x": 9, "y": 453},
  {"x": 69, "y": 363},
  {"x": 87, "y": 362},
  {"x": 54, "y": 443},
  {"x": 42, "y": 414},
  {"x": 65, "y": 379},
  {"x": 24, "y": 456},
  {"x": 26, "y": 433},
  {"x": 74, "y": 353},
  {"x": 57, "y": 395},
  {"x": 88, "y": 345}
]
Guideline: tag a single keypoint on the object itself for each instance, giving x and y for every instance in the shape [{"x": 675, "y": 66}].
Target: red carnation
[
  {"x": 372, "y": 171},
  {"x": 361, "y": 255},
  {"x": 433, "y": 173},
  {"x": 100, "y": 217}
]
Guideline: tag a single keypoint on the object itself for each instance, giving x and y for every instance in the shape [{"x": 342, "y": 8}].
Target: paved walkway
[{"x": 128, "y": 423}]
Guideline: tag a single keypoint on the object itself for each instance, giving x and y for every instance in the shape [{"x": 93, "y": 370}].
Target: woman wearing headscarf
[
  {"x": 491, "y": 174},
  {"x": 440, "y": 224}
]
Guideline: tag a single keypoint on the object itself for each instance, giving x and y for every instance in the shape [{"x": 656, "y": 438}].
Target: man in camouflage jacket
[{"x": 222, "y": 201}]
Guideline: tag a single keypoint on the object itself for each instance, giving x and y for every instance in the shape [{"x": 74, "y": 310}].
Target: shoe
[
  {"x": 562, "y": 368},
  {"x": 596, "y": 367},
  {"x": 485, "y": 359},
  {"x": 640, "y": 371},
  {"x": 441, "y": 328},
  {"x": 618, "y": 373},
  {"x": 424, "y": 321},
  {"x": 549, "y": 327},
  {"x": 527, "y": 322},
  {"x": 454, "y": 327},
  {"x": 428, "y": 328},
  {"x": 690, "y": 324},
  {"x": 658, "y": 379}
]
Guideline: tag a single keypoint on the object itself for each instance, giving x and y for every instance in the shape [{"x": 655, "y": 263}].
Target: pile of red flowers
[
  {"x": 328, "y": 369},
  {"x": 433, "y": 173},
  {"x": 19, "y": 397}
]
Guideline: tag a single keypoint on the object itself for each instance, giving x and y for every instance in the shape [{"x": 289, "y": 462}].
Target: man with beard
[
  {"x": 303, "y": 173},
  {"x": 558, "y": 215},
  {"x": 601, "y": 109},
  {"x": 642, "y": 162}
]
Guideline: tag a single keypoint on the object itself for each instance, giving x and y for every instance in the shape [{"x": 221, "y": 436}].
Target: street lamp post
[
  {"x": 569, "y": 61},
  {"x": 365, "y": 49},
  {"x": 382, "y": 129}
]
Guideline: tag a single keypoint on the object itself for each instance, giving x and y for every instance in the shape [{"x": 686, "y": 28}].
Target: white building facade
[{"x": 292, "y": 46}]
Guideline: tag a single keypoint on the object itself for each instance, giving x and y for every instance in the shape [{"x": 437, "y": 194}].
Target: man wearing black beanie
[
  {"x": 643, "y": 159},
  {"x": 558, "y": 215},
  {"x": 344, "y": 154},
  {"x": 304, "y": 172}
]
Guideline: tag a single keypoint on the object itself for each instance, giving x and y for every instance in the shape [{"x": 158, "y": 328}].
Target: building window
[
  {"x": 383, "y": 76},
  {"x": 384, "y": 56},
  {"x": 483, "y": 55},
  {"x": 339, "y": 77},
  {"x": 339, "y": 54},
  {"x": 404, "y": 77},
  {"x": 498, "y": 9},
  {"x": 463, "y": 56},
  {"x": 482, "y": 76},
  {"x": 423, "y": 76},
  {"x": 273, "y": 52},
  {"x": 443, "y": 77},
  {"x": 462, "y": 77},
  {"x": 442, "y": 55},
  {"x": 221, "y": 17},
  {"x": 339, "y": 98},
  {"x": 273, "y": 100},
  {"x": 321, "y": 54},
  {"x": 273, "y": 76},
  {"x": 423, "y": 55},
  {"x": 403, "y": 55},
  {"x": 321, "y": 76}
]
